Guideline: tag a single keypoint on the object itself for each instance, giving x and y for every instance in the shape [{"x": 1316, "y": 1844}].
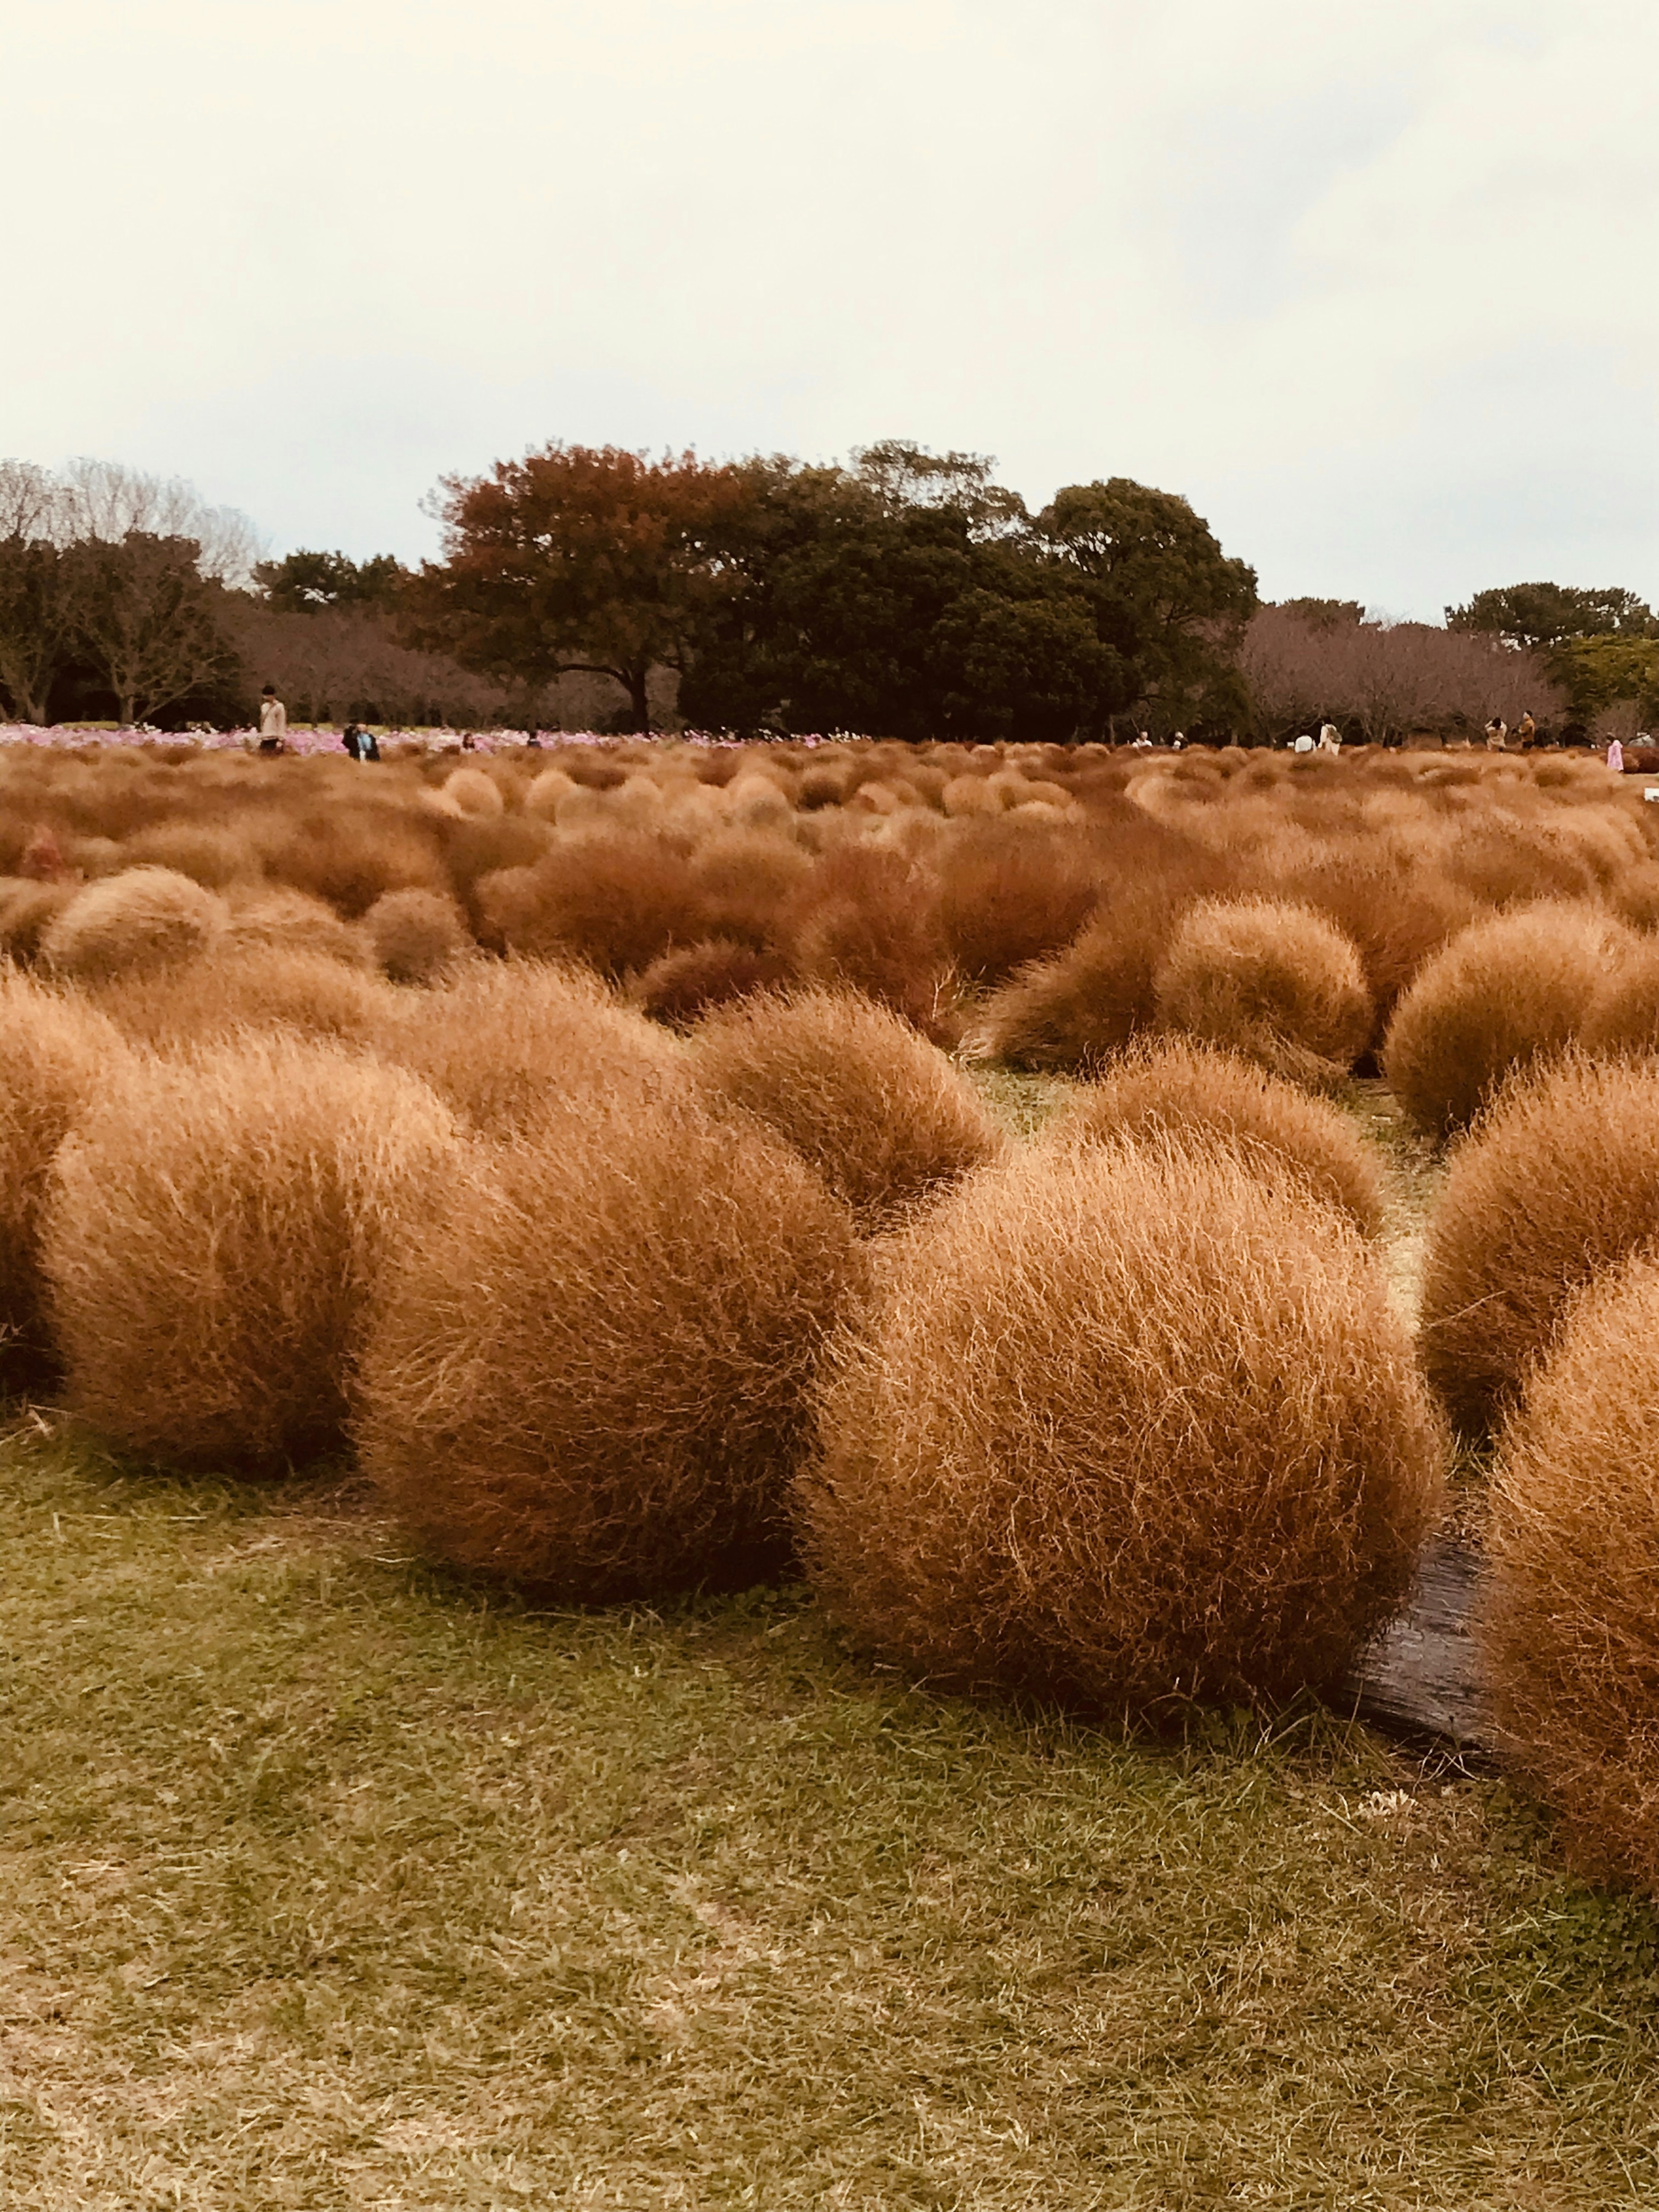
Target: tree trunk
[{"x": 640, "y": 703}]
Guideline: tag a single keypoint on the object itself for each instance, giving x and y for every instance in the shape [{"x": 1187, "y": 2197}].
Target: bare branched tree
[
  {"x": 107, "y": 501},
  {"x": 146, "y": 618},
  {"x": 1388, "y": 678}
]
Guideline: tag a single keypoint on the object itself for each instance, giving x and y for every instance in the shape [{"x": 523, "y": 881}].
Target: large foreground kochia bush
[
  {"x": 880, "y": 1113},
  {"x": 1570, "y": 1624},
  {"x": 1207, "y": 1098},
  {"x": 589, "y": 1374},
  {"x": 213, "y": 1231},
  {"x": 1123, "y": 1425},
  {"x": 1559, "y": 1181},
  {"x": 1504, "y": 994}
]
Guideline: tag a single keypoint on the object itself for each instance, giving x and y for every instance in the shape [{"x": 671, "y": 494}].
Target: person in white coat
[{"x": 273, "y": 722}]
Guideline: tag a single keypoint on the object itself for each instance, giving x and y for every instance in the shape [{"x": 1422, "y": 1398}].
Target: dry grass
[
  {"x": 1557, "y": 1180},
  {"x": 589, "y": 1374},
  {"x": 1274, "y": 981},
  {"x": 1118, "y": 1429},
  {"x": 1502, "y": 994},
  {"x": 880, "y": 1113},
  {"x": 1571, "y": 1627},
  {"x": 213, "y": 1231},
  {"x": 1210, "y": 1099}
]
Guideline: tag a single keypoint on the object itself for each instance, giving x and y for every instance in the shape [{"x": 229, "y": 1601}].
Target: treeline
[{"x": 906, "y": 594}]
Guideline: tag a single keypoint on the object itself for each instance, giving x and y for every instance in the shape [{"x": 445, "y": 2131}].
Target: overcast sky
[{"x": 1374, "y": 286}]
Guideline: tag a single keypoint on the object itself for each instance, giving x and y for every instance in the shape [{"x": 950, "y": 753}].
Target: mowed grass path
[{"x": 328, "y": 1883}]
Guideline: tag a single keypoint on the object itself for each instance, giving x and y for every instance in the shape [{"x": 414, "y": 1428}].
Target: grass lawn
[{"x": 328, "y": 1881}]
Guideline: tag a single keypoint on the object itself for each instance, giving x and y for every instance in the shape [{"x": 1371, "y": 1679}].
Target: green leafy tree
[
  {"x": 580, "y": 557},
  {"x": 1165, "y": 598},
  {"x": 1549, "y": 614},
  {"x": 304, "y": 582},
  {"x": 1599, "y": 671},
  {"x": 1324, "y": 614}
]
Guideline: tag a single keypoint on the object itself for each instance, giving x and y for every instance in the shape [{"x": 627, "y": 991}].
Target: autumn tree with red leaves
[{"x": 578, "y": 558}]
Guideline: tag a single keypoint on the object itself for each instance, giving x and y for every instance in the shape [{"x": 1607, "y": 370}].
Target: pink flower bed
[{"x": 307, "y": 738}]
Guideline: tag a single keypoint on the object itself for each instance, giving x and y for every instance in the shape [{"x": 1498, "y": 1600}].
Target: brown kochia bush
[
  {"x": 591, "y": 1374},
  {"x": 1622, "y": 1016},
  {"x": 868, "y": 918},
  {"x": 1556, "y": 1182},
  {"x": 277, "y": 919},
  {"x": 1122, "y": 1425},
  {"x": 505, "y": 1042},
  {"x": 1276, "y": 981},
  {"x": 241, "y": 986},
  {"x": 1071, "y": 1012},
  {"x": 1504, "y": 994},
  {"x": 1009, "y": 895},
  {"x": 681, "y": 987},
  {"x": 213, "y": 1231},
  {"x": 617, "y": 900},
  {"x": 418, "y": 936},
  {"x": 1206, "y": 1098},
  {"x": 56, "y": 1053},
  {"x": 127, "y": 924},
  {"x": 1569, "y": 1628},
  {"x": 878, "y": 1112}
]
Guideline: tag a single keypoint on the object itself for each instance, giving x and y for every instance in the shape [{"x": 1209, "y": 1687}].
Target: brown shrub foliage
[
  {"x": 1505, "y": 993},
  {"x": 616, "y": 901},
  {"x": 1114, "y": 1430},
  {"x": 1275, "y": 981},
  {"x": 239, "y": 986},
  {"x": 1208, "y": 1099},
  {"x": 214, "y": 857},
  {"x": 505, "y": 1041},
  {"x": 680, "y": 987},
  {"x": 1557, "y": 1180},
  {"x": 1397, "y": 918},
  {"x": 351, "y": 853},
  {"x": 278, "y": 919},
  {"x": 1010, "y": 895},
  {"x": 127, "y": 924},
  {"x": 213, "y": 1229},
  {"x": 1071, "y": 1012},
  {"x": 27, "y": 909},
  {"x": 591, "y": 1374},
  {"x": 55, "y": 1052},
  {"x": 880, "y": 1113},
  {"x": 1623, "y": 1016},
  {"x": 869, "y": 919},
  {"x": 1569, "y": 1628},
  {"x": 418, "y": 936},
  {"x": 471, "y": 791}
]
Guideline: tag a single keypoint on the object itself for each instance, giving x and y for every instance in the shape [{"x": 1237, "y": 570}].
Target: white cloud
[{"x": 1370, "y": 285}]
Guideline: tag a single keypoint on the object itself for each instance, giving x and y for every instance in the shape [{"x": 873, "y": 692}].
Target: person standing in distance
[{"x": 273, "y": 722}]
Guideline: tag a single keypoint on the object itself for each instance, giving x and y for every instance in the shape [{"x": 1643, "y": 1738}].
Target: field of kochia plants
[{"x": 594, "y": 1146}]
